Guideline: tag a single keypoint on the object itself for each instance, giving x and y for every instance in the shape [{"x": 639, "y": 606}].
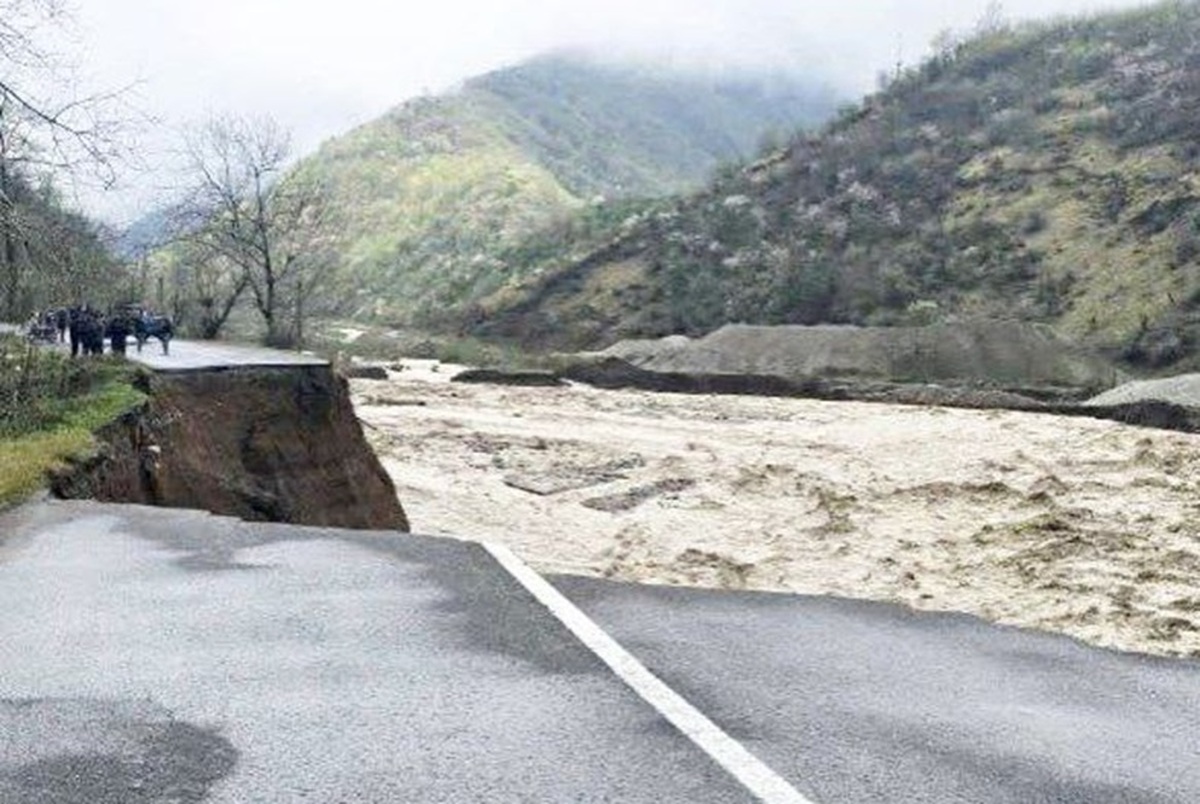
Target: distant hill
[
  {"x": 621, "y": 131},
  {"x": 144, "y": 235},
  {"x": 440, "y": 196},
  {"x": 1044, "y": 172}
]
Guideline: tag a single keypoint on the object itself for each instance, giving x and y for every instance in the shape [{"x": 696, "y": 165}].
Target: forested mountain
[
  {"x": 438, "y": 198},
  {"x": 51, "y": 255},
  {"x": 622, "y": 131},
  {"x": 53, "y": 134},
  {"x": 1046, "y": 172}
]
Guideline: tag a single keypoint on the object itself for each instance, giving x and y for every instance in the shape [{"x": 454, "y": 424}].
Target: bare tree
[
  {"x": 206, "y": 285},
  {"x": 47, "y": 126},
  {"x": 993, "y": 20},
  {"x": 248, "y": 209},
  {"x": 50, "y": 119}
]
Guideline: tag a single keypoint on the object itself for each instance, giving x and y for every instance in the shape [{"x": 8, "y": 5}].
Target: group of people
[
  {"x": 44, "y": 327},
  {"x": 86, "y": 328}
]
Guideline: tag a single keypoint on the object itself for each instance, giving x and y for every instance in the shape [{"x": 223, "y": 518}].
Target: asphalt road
[
  {"x": 194, "y": 355},
  {"x": 162, "y": 656},
  {"x": 185, "y": 355},
  {"x": 865, "y": 702}
]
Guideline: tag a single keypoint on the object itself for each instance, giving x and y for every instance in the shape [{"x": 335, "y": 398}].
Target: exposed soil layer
[{"x": 278, "y": 444}]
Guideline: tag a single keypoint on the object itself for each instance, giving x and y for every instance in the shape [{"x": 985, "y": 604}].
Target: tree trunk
[
  {"x": 213, "y": 320},
  {"x": 11, "y": 270},
  {"x": 277, "y": 334}
]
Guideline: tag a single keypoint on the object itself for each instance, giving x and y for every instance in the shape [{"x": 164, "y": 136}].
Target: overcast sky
[{"x": 320, "y": 68}]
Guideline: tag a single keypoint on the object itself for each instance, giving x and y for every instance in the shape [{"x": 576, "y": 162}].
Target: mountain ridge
[
  {"x": 441, "y": 191},
  {"x": 1043, "y": 172}
]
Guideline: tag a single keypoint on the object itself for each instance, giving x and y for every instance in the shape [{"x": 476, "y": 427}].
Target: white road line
[{"x": 759, "y": 779}]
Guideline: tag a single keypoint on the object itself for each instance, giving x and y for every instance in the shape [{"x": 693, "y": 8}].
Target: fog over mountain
[{"x": 322, "y": 68}]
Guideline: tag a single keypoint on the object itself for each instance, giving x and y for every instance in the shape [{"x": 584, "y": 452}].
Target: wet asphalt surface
[
  {"x": 186, "y": 355},
  {"x": 156, "y": 656},
  {"x": 183, "y": 355},
  {"x": 866, "y": 702},
  {"x": 165, "y": 656}
]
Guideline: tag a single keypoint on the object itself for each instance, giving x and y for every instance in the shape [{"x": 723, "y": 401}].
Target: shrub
[
  {"x": 49, "y": 408},
  {"x": 38, "y": 386}
]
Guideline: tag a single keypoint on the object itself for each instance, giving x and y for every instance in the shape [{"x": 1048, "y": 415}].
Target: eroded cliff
[{"x": 275, "y": 443}]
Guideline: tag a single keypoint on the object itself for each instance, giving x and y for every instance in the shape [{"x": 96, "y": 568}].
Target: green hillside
[
  {"x": 440, "y": 197},
  {"x": 1043, "y": 172}
]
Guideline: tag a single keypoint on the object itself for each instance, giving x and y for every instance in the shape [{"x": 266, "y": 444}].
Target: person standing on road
[
  {"x": 93, "y": 333},
  {"x": 118, "y": 333},
  {"x": 74, "y": 322}
]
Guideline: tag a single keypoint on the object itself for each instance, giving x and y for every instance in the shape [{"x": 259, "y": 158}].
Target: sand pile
[
  {"x": 1001, "y": 353},
  {"x": 1182, "y": 390},
  {"x": 1073, "y": 525}
]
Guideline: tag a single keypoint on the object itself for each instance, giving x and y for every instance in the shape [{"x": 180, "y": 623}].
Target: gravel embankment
[{"x": 1182, "y": 390}]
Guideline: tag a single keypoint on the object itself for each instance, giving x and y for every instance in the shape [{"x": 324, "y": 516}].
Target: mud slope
[{"x": 280, "y": 444}]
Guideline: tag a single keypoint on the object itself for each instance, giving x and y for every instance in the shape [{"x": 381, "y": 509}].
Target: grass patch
[{"x": 75, "y": 398}]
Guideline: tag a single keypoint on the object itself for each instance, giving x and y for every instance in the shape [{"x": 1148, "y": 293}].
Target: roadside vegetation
[
  {"x": 50, "y": 406},
  {"x": 53, "y": 136}
]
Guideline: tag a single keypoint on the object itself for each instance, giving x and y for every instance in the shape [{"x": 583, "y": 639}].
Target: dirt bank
[
  {"x": 1073, "y": 525},
  {"x": 279, "y": 444},
  {"x": 1004, "y": 354}
]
